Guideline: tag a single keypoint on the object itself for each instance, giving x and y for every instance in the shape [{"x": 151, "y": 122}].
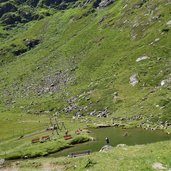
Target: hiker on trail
[{"x": 107, "y": 140}]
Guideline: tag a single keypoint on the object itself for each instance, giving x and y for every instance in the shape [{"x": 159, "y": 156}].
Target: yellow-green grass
[
  {"x": 139, "y": 157},
  {"x": 14, "y": 126}
]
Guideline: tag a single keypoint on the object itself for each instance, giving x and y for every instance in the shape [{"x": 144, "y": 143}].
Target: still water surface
[{"x": 116, "y": 136}]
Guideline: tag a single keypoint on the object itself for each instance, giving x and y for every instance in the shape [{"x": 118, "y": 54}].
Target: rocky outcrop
[{"x": 8, "y": 7}]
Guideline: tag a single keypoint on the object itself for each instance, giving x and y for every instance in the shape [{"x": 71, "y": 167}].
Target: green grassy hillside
[
  {"x": 88, "y": 54},
  {"x": 86, "y": 59}
]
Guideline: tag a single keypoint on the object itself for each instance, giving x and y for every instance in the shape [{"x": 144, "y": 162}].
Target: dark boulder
[
  {"x": 32, "y": 3},
  {"x": 11, "y": 18},
  {"x": 103, "y": 3},
  {"x": 31, "y": 43},
  {"x": 19, "y": 51}
]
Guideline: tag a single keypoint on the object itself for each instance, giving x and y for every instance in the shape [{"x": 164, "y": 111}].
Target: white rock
[
  {"x": 168, "y": 23},
  {"x": 158, "y": 166},
  {"x": 133, "y": 80},
  {"x": 2, "y": 161},
  {"x": 163, "y": 82},
  {"x": 141, "y": 58}
]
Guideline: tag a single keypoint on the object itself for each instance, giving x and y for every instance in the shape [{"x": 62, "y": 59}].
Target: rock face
[
  {"x": 106, "y": 148},
  {"x": 133, "y": 80}
]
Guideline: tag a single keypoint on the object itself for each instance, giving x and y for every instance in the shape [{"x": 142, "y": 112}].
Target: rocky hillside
[{"x": 87, "y": 57}]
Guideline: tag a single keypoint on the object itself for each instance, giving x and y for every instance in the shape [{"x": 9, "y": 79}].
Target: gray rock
[
  {"x": 158, "y": 166},
  {"x": 163, "y": 82},
  {"x": 2, "y": 161},
  {"x": 168, "y": 23},
  {"x": 105, "y": 3},
  {"x": 133, "y": 80},
  {"x": 106, "y": 148}
]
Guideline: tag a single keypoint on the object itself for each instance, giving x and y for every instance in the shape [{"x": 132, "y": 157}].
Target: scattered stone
[
  {"x": 102, "y": 125},
  {"x": 133, "y": 80},
  {"x": 105, "y": 3},
  {"x": 158, "y": 166},
  {"x": 142, "y": 58},
  {"x": 157, "y": 39},
  {"x": 168, "y": 23},
  {"x": 121, "y": 145},
  {"x": 2, "y": 161},
  {"x": 106, "y": 148},
  {"x": 163, "y": 82}
]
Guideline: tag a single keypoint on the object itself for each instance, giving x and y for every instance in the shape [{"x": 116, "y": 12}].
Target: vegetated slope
[{"x": 89, "y": 58}]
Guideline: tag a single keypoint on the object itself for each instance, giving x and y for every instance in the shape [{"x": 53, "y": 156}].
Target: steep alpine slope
[{"x": 99, "y": 58}]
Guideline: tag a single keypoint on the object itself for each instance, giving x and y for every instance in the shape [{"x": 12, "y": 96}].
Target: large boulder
[{"x": 106, "y": 148}]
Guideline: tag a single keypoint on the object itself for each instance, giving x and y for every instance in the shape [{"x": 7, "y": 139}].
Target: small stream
[{"x": 116, "y": 136}]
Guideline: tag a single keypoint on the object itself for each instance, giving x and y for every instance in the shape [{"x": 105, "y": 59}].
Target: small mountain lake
[{"x": 116, "y": 136}]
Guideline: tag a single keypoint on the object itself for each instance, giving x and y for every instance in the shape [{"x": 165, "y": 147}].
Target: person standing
[{"x": 107, "y": 140}]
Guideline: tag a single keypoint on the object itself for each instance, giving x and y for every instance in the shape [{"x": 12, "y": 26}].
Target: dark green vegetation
[{"x": 78, "y": 58}]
